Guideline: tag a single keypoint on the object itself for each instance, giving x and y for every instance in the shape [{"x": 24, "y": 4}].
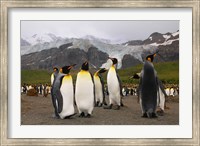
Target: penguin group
[{"x": 89, "y": 90}]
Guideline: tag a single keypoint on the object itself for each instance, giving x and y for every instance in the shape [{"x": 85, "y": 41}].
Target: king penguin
[
  {"x": 161, "y": 94},
  {"x": 84, "y": 91},
  {"x": 63, "y": 94},
  {"x": 148, "y": 88},
  {"x": 99, "y": 88},
  {"x": 114, "y": 86}
]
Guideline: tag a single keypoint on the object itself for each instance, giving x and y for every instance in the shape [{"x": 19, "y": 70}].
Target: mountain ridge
[{"x": 128, "y": 53}]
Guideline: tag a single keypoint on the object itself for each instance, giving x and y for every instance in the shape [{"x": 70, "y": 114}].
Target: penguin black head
[
  {"x": 150, "y": 57},
  {"x": 85, "y": 66},
  {"x": 55, "y": 69},
  {"x": 136, "y": 76},
  {"x": 66, "y": 69},
  {"x": 114, "y": 60}
]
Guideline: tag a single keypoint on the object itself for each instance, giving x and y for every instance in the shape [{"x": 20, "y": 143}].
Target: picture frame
[{"x": 5, "y": 5}]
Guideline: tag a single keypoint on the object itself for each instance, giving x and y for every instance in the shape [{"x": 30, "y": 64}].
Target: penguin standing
[
  {"x": 84, "y": 92},
  {"x": 99, "y": 88},
  {"x": 148, "y": 88},
  {"x": 161, "y": 98},
  {"x": 161, "y": 94},
  {"x": 114, "y": 86},
  {"x": 63, "y": 93}
]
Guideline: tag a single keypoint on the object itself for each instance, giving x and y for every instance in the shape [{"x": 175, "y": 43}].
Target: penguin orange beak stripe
[
  {"x": 61, "y": 70},
  {"x": 70, "y": 67},
  {"x": 149, "y": 59},
  {"x": 86, "y": 62}
]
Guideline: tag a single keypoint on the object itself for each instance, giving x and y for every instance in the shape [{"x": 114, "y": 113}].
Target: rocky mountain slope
[{"x": 46, "y": 51}]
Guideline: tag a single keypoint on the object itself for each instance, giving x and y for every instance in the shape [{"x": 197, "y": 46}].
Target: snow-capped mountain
[
  {"x": 156, "y": 39},
  {"x": 42, "y": 38},
  {"x": 86, "y": 48}
]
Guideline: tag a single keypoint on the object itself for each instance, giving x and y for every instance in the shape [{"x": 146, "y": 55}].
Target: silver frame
[{"x": 5, "y": 5}]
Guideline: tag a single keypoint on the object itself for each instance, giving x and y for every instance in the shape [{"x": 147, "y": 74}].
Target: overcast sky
[{"x": 112, "y": 30}]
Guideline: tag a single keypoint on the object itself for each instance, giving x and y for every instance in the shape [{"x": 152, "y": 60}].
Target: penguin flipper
[
  {"x": 120, "y": 85},
  {"x": 160, "y": 84},
  {"x": 93, "y": 88},
  {"x": 103, "y": 90},
  {"x": 59, "y": 99}
]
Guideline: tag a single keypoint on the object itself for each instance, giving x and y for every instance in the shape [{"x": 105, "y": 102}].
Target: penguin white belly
[
  {"x": 84, "y": 93},
  {"x": 113, "y": 86},
  {"x": 161, "y": 100},
  {"x": 167, "y": 91},
  {"x": 98, "y": 89},
  {"x": 52, "y": 78},
  {"x": 172, "y": 92},
  {"x": 67, "y": 92}
]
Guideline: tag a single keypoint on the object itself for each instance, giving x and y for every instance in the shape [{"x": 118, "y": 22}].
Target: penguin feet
[
  {"x": 97, "y": 104},
  {"x": 117, "y": 107},
  {"x": 160, "y": 112},
  {"x": 144, "y": 115},
  {"x": 166, "y": 107},
  {"x": 108, "y": 107},
  {"x": 104, "y": 103},
  {"x": 151, "y": 115},
  {"x": 68, "y": 117},
  {"x": 88, "y": 116},
  {"x": 100, "y": 105},
  {"x": 55, "y": 116},
  {"x": 154, "y": 115},
  {"x": 82, "y": 115}
]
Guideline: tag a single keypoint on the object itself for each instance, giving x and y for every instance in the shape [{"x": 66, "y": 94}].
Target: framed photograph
[{"x": 39, "y": 36}]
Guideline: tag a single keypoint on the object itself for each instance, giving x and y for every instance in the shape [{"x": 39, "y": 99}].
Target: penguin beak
[
  {"x": 160, "y": 56},
  {"x": 71, "y": 66},
  {"x": 61, "y": 70},
  {"x": 110, "y": 58},
  {"x": 86, "y": 62},
  {"x": 102, "y": 70}
]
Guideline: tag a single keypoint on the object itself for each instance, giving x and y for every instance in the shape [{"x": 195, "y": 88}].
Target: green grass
[
  {"x": 168, "y": 72},
  {"x": 35, "y": 76}
]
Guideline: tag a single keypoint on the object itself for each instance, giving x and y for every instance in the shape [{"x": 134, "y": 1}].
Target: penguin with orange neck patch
[
  {"x": 99, "y": 88},
  {"x": 63, "y": 93},
  {"x": 114, "y": 86},
  {"x": 84, "y": 92},
  {"x": 148, "y": 88}
]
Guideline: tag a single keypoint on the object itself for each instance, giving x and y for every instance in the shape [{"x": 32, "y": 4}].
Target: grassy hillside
[
  {"x": 35, "y": 76},
  {"x": 168, "y": 72}
]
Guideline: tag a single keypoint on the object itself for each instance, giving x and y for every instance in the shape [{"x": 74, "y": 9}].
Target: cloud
[{"x": 112, "y": 30}]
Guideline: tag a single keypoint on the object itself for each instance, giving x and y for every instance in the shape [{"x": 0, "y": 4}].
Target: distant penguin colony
[{"x": 89, "y": 91}]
